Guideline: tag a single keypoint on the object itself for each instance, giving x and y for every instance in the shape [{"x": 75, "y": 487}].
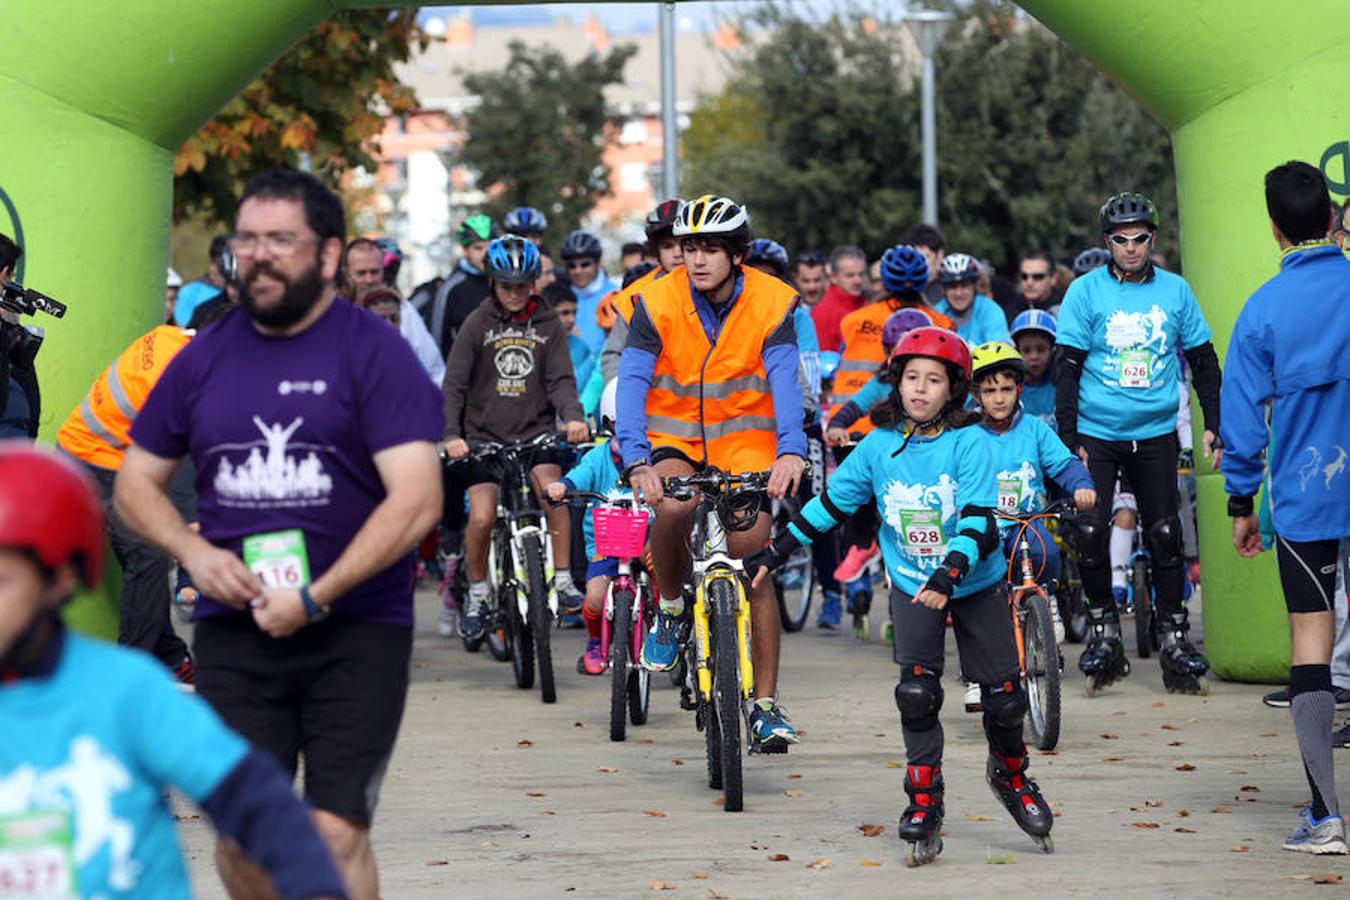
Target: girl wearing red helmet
[
  {"x": 934, "y": 482},
  {"x": 95, "y": 733}
]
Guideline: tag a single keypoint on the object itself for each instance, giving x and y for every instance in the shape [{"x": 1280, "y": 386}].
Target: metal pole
[
  {"x": 670, "y": 137},
  {"x": 930, "y": 205}
]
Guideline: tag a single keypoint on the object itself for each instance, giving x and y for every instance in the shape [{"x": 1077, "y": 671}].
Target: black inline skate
[
  {"x": 1103, "y": 660},
  {"x": 1022, "y": 798},
  {"x": 921, "y": 822},
  {"x": 1183, "y": 666}
]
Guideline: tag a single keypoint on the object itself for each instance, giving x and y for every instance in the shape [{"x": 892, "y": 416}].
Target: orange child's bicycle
[{"x": 1038, "y": 654}]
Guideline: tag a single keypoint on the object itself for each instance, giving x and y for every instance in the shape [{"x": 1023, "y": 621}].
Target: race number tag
[
  {"x": 278, "y": 558},
  {"x": 36, "y": 856},
  {"x": 1009, "y": 495},
  {"x": 921, "y": 532},
  {"x": 1136, "y": 368}
]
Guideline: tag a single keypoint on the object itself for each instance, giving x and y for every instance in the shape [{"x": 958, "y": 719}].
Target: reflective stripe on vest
[
  {"x": 94, "y": 425},
  {"x": 119, "y": 395},
  {"x": 720, "y": 390}
]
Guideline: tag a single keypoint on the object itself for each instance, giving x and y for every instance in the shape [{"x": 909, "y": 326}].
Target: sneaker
[
  {"x": 1121, "y": 596},
  {"x": 855, "y": 561},
  {"x": 569, "y": 598},
  {"x": 973, "y": 704},
  {"x": 592, "y": 662},
  {"x": 770, "y": 728},
  {"x": 571, "y": 621},
  {"x": 661, "y": 646},
  {"x": 186, "y": 675},
  {"x": 447, "y": 625},
  {"x": 1341, "y": 736},
  {"x": 471, "y": 624},
  {"x": 831, "y": 612},
  {"x": 888, "y": 633},
  {"x": 1325, "y": 837},
  {"x": 1280, "y": 699}
]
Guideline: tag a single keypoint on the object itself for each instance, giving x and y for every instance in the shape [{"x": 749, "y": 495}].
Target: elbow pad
[{"x": 985, "y": 536}]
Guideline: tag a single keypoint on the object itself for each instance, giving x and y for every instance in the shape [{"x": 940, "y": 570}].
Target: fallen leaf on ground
[
  {"x": 535, "y": 794},
  {"x": 759, "y": 846},
  {"x": 677, "y": 762},
  {"x": 524, "y": 742},
  {"x": 1183, "y": 813},
  {"x": 1109, "y": 811},
  {"x": 1049, "y": 753},
  {"x": 1153, "y": 803},
  {"x": 701, "y": 876},
  {"x": 720, "y": 801},
  {"x": 1250, "y": 787},
  {"x": 870, "y": 830},
  {"x": 1175, "y": 743},
  {"x": 1221, "y": 809},
  {"x": 1168, "y": 727},
  {"x": 1240, "y": 848},
  {"x": 1159, "y": 705},
  {"x": 1267, "y": 734},
  {"x": 792, "y": 793},
  {"x": 869, "y": 863},
  {"x": 1185, "y": 767},
  {"x": 1326, "y": 879},
  {"x": 1114, "y": 759},
  {"x": 978, "y": 818},
  {"x": 646, "y": 741},
  {"x": 1110, "y": 737},
  {"x": 1145, "y": 824},
  {"x": 1119, "y": 712},
  {"x": 658, "y": 885},
  {"x": 438, "y": 862},
  {"x": 821, "y": 863},
  {"x": 895, "y": 765},
  {"x": 780, "y": 857},
  {"x": 608, "y": 770},
  {"x": 794, "y": 777},
  {"x": 1184, "y": 830},
  {"x": 1146, "y": 734},
  {"x": 713, "y": 895},
  {"x": 578, "y": 724},
  {"x": 547, "y": 812},
  {"x": 654, "y": 813},
  {"x": 488, "y": 844},
  {"x": 1001, "y": 860}
]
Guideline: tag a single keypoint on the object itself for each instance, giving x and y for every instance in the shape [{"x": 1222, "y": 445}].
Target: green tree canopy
[
  {"x": 326, "y": 97},
  {"x": 537, "y": 136},
  {"x": 817, "y": 131}
]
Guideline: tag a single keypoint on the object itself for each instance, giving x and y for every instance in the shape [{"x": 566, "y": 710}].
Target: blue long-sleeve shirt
[
  {"x": 1024, "y": 457},
  {"x": 927, "y": 494},
  {"x": 597, "y": 473},
  {"x": 985, "y": 322},
  {"x": 1288, "y": 350},
  {"x": 638, "y": 364},
  {"x": 588, "y": 301}
]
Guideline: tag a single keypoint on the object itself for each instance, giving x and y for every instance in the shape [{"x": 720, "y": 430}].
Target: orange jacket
[
  {"x": 712, "y": 401},
  {"x": 620, "y": 303},
  {"x": 98, "y": 430},
  {"x": 863, "y": 354}
]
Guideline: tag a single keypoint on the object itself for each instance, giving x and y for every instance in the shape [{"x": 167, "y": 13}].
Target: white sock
[
  {"x": 1122, "y": 541},
  {"x": 563, "y": 579}
]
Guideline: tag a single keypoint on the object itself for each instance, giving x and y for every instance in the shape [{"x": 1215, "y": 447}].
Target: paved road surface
[{"x": 493, "y": 794}]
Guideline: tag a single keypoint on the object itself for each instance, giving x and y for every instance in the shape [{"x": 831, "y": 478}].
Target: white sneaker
[
  {"x": 973, "y": 704},
  {"x": 447, "y": 624}
]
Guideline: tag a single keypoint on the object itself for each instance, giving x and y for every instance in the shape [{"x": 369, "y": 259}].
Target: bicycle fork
[{"x": 703, "y": 634}]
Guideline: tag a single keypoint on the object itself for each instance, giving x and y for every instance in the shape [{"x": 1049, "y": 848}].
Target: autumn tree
[{"x": 326, "y": 97}]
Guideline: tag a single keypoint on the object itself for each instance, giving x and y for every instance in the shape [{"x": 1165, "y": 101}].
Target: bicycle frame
[
  {"x": 712, "y": 562},
  {"x": 1029, "y": 585},
  {"x": 522, "y": 517},
  {"x": 624, "y": 582}
]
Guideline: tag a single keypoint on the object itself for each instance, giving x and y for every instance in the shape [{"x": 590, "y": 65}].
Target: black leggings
[
  {"x": 1151, "y": 467},
  {"x": 1308, "y": 574},
  {"x": 824, "y": 552}
]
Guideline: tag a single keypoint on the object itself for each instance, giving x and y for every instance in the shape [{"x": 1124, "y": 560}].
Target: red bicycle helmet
[
  {"x": 49, "y": 507},
  {"x": 942, "y": 345}
]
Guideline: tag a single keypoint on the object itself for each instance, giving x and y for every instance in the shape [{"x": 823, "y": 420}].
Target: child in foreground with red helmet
[
  {"x": 934, "y": 480},
  {"x": 95, "y": 734}
]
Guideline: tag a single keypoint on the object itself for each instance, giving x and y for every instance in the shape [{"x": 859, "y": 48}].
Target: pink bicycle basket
[{"x": 620, "y": 532}]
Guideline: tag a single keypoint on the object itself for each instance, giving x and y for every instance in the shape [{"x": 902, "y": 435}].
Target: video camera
[{"x": 20, "y": 343}]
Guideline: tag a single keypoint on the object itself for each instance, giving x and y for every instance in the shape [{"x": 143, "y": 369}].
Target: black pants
[
  {"x": 1151, "y": 468},
  {"x": 143, "y": 618},
  {"x": 824, "y": 552}
]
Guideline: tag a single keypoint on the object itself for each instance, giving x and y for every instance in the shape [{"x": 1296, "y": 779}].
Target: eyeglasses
[
  {"x": 1125, "y": 240},
  {"x": 1034, "y": 276},
  {"x": 278, "y": 244},
  {"x": 573, "y": 264}
]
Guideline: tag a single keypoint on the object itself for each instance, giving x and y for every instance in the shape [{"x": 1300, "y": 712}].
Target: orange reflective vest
[
  {"x": 619, "y": 304},
  {"x": 98, "y": 430},
  {"x": 863, "y": 354},
  {"x": 711, "y": 401}
]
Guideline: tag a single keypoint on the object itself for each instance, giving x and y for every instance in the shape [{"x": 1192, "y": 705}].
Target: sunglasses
[
  {"x": 1126, "y": 240},
  {"x": 580, "y": 264},
  {"x": 810, "y": 258},
  {"x": 1034, "y": 276}
]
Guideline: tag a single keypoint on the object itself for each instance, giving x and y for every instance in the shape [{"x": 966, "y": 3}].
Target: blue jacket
[
  {"x": 985, "y": 323},
  {"x": 583, "y": 359},
  {"x": 1024, "y": 456},
  {"x": 588, "y": 301},
  {"x": 595, "y": 472},
  {"x": 924, "y": 494},
  {"x": 1289, "y": 350}
]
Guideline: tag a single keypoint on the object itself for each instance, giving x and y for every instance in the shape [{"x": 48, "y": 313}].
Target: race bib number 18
[
  {"x": 921, "y": 532},
  {"x": 1009, "y": 495},
  {"x": 278, "y": 558},
  {"x": 36, "y": 856},
  {"x": 1136, "y": 368}
]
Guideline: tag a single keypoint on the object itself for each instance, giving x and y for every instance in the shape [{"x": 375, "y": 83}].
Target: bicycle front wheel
[
  {"x": 727, "y": 689},
  {"x": 792, "y": 585},
  {"x": 541, "y": 618},
  {"x": 639, "y": 679},
  {"x": 1143, "y": 609},
  {"x": 619, "y": 643},
  {"x": 1042, "y": 676}
]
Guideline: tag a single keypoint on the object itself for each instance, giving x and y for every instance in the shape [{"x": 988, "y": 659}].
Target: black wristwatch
[{"x": 313, "y": 611}]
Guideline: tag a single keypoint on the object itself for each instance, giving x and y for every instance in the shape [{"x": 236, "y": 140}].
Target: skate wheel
[
  {"x": 1202, "y": 686},
  {"x": 1090, "y": 686},
  {"x": 1045, "y": 843},
  {"x": 920, "y": 854}
]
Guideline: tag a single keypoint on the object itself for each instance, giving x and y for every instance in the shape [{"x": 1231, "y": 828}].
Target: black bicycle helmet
[
  {"x": 581, "y": 245},
  {"x": 1129, "y": 208},
  {"x": 1090, "y": 259}
]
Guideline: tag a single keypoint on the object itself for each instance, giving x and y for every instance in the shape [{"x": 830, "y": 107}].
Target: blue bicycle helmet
[
  {"x": 580, "y": 244},
  {"x": 525, "y": 220},
  {"x": 904, "y": 268},
  {"x": 1033, "y": 320},
  {"x": 512, "y": 260},
  {"x": 770, "y": 253}
]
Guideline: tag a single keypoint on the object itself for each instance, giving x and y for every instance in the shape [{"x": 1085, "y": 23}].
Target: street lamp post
[
  {"x": 670, "y": 137},
  {"x": 927, "y": 27}
]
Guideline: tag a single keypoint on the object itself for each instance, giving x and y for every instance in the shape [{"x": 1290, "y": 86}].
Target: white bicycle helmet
[
  {"x": 609, "y": 401},
  {"x": 711, "y": 215}
]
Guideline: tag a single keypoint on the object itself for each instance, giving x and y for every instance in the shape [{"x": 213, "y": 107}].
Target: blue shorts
[{"x": 607, "y": 566}]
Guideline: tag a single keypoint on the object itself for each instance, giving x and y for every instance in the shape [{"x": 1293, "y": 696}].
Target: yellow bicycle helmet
[{"x": 996, "y": 356}]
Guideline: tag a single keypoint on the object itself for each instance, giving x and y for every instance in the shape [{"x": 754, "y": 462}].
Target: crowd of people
[{"x": 282, "y": 449}]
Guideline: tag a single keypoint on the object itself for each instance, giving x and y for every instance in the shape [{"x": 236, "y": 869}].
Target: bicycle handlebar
[
  {"x": 571, "y": 497},
  {"x": 715, "y": 482},
  {"x": 483, "y": 449},
  {"x": 1059, "y": 509}
]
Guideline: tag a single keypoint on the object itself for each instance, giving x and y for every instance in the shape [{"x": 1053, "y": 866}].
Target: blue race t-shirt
[
  {"x": 1024, "y": 456},
  {"x": 95, "y": 745},
  {"x": 1038, "y": 398},
  {"x": 595, "y": 472},
  {"x": 283, "y": 430},
  {"x": 1128, "y": 389},
  {"x": 986, "y": 322},
  {"x": 588, "y": 301},
  {"x": 920, "y": 492}
]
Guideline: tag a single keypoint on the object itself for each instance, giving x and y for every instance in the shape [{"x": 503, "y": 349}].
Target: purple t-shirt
[{"x": 282, "y": 431}]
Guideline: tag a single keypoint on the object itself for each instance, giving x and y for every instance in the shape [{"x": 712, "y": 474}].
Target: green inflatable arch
[{"x": 98, "y": 97}]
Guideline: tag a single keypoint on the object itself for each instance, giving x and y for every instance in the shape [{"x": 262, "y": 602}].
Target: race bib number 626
[{"x": 36, "y": 859}]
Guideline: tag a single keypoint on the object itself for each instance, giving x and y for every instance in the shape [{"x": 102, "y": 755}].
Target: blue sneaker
[
  {"x": 770, "y": 729},
  {"x": 661, "y": 646},
  {"x": 1122, "y": 598},
  {"x": 1325, "y": 837},
  {"x": 471, "y": 620},
  {"x": 831, "y": 612}
]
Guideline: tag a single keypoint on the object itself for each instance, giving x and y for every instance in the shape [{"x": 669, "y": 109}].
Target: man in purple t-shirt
[{"x": 313, "y": 431}]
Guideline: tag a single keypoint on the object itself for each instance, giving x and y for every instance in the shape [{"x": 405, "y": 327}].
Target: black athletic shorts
[
  {"x": 332, "y": 692},
  {"x": 984, "y": 634},
  {"x": 477, "y": 471},
  {"x": 661, "y": 454},
  {"x": 1308, "y": 574}
]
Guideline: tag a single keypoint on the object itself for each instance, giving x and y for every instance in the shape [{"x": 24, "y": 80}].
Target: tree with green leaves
[
  {"x": 538, "y": 134},
  {"x": 818, "y": 132},
  {"x": 326, "y": 97}
]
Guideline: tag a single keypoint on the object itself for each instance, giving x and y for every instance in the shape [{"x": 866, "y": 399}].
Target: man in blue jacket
[{"x": 1287, "y": 355}]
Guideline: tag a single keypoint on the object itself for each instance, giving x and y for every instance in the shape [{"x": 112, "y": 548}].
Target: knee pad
[
  {"x": 919, "y": 697},
  {"x": 1004, "y": 704},
  {"x": 1094, "y": 542},
  {"x": 1165, "y": 543}
]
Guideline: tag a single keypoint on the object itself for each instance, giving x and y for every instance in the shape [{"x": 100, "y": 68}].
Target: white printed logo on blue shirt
[{"x": 1313, "y": 467}]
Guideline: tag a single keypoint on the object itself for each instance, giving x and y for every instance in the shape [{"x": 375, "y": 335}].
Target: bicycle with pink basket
[{"x": 621, "y": 532}]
